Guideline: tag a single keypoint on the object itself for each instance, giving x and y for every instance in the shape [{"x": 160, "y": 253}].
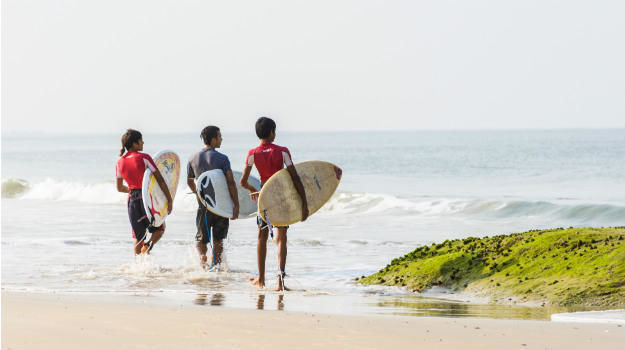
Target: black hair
[
  {"x": 209, "y": 133},
  {"x": 264, "y": 127},
  {"x": 128, "y": 139}
]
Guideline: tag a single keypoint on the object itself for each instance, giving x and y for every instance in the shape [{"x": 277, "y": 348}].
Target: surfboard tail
[{"x": 338, "y": 172}]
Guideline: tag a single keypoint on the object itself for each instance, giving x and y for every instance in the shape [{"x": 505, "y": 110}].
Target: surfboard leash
[
  {"x": 268, "y": 223},
  {"x": 210, "y": 241},
  {"x": 281, "y": 276}
]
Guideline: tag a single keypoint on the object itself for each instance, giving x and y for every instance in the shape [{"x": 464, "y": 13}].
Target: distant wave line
[{"x": 344, "y": 203}]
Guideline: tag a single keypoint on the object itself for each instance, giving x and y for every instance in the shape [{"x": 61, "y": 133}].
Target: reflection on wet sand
[
  {"x": 420, "y": 306},
  {"x": 200, "y": 299},
  {"x": 216, "y": 299},
  {"x": 260, "y": 302},
  {"x": 281, "y": 302},
  {"x": 375, "y": 304}
]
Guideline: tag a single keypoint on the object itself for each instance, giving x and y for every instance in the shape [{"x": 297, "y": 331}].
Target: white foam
[
  {"x": 97, "y": 193},
  {"x": 343, "y": 203},
  {"x": 49, "y": 189},
  {"x": 608, "y": 316},
  {"x": 371, "y": 203}
]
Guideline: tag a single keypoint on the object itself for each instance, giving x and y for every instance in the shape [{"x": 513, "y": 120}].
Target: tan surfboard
[{"x": 281, "y": 203}]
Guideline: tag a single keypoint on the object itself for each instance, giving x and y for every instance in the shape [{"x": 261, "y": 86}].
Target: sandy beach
[{"x": 38, "y": 321}]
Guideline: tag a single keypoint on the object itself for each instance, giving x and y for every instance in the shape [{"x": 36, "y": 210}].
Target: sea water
[{"x": 65, "y": 227}]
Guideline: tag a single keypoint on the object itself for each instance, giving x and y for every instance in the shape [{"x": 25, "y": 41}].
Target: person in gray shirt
[{"x": 209, "y": 159}]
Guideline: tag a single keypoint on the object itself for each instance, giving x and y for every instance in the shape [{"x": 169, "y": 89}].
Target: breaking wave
[
  {"x": 345, "y": 203},
  {"x": 98, "y": 193},
  {"x": 14, "y": 187},
  {"x": 367, "y": 203}
]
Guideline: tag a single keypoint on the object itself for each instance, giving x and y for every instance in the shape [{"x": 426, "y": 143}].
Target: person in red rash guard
[
  {"x": 270, "y": 158},
  {"x": 130, "y": 168}
]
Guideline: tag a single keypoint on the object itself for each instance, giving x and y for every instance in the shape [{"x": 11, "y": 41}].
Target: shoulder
[
  {"x": 282, "y": 149},
  {"x": 221, "y": 155},
  {"x": 147, "y": 159},
  {"x": 194, "y": 156},
  {"x": 144, "y": 155},
  {"x": 252, "y": 151}
]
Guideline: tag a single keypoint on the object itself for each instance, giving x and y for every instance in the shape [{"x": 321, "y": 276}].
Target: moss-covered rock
[{"x": 566, "y": 267}]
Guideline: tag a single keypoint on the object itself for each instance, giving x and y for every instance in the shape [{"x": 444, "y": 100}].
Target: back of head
[
  {"x": 209, "y": 133},
  {"x": 128, "y": 139},
  {"x": 264, "y": 127}
]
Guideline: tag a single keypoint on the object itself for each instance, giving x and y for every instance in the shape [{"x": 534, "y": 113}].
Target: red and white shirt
[
  {"x": 131, "y": 167},
  {"x": 269, "y": 159}
]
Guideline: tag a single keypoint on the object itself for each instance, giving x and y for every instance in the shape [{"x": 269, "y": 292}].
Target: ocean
[{"x": 65, "y": 227}]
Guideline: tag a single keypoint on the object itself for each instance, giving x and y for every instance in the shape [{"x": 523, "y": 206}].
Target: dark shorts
[
  {"x": 262, "y": 224},
  {"x": 136, "y": 214},
  {"x": 205, "y": 220}
]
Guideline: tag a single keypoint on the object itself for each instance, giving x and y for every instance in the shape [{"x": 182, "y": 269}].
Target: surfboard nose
[{"x": 338, "y": 172}]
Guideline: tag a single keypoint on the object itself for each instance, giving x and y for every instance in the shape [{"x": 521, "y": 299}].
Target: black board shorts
[
  {"x": 262, "y": 224},
  {"x": 205, "y": 220},
  {"x": 137, "y": 216}
]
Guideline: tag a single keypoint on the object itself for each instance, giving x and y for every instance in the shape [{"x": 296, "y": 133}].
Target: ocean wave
[
  {"x": 97, "y": 193},
  {"x": 346, "y": 203},
  {"x": 49, "y": 189},
  {"x": 14, "y": 187},
  {"x": 368, "y": 203}
]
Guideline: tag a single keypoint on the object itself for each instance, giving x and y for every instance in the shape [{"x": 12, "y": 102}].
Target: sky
[{"x": 176, "y": 66}]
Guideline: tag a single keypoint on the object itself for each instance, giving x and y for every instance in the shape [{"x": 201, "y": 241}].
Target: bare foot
[
  {"x": 281, "y": 287},
  {"x": 144, "y": 250},
  {"x": 257, "y": 282}
]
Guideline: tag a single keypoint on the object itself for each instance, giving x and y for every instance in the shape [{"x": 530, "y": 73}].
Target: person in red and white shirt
[
  {"x": 270, "y": 158},
  {"x": 130, "y": 168}
]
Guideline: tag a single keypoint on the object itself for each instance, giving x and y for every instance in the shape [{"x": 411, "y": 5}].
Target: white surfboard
[
  {"x": 154, "y": 200},
  {"x": 212, "y": 189}
]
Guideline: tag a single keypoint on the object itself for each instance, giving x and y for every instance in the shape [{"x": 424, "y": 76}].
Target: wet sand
[{"x": 44, "y": 321}]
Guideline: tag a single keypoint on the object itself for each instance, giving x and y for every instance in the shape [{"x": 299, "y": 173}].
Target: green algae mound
[{"x": 564, "y": 267}]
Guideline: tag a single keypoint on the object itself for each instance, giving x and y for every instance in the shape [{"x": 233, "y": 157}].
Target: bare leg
[
  {"x": 158, "y": 234},
  {"x": 218, "y": 248},
  {"x": 137, "y": 247},
  {"x": 261, "y": 254},
  {"x": 155, "y": 237},
  {"x": 202, "y": 249},
  {"x": 281, "y": 242}
]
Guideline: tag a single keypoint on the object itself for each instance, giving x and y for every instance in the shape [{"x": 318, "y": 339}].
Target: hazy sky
[{"x": 74, "y": 66}]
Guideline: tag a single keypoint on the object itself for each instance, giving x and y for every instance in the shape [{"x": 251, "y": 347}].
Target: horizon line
[{"x": 296, "y": 131}]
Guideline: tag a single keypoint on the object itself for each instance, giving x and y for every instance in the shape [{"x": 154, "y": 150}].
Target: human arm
[
  {"x": 246, "y": 185},
  {"x": 120, "y": 186},
  {"x": 234, "y": 195},
  {"x": 165, "y": 189},
  {"x": 299, "y": 187},
  {"x": 191, "y": 184},
  {"x": 191, "y": 179}
]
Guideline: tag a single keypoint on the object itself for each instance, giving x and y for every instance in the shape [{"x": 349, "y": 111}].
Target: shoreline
[{"x": 60, "y": 321}]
